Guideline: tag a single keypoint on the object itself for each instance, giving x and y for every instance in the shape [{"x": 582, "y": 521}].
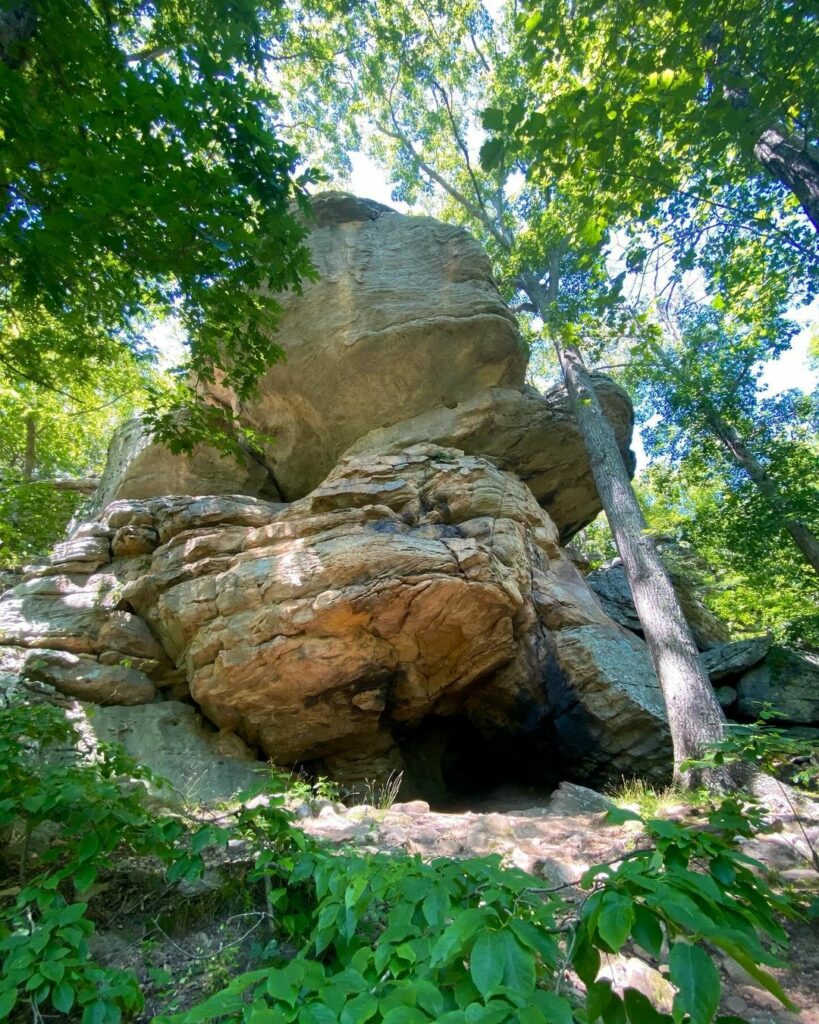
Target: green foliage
[
  {"x": 777, "y": 752},
  {"x": 757, "y": 580},
  {"x": 90, "y": 810},
  {"x": 650, "y": 116},
  {"x": 391, "y": 939},
  {"x": 144, "y": 175},
  {"x": 379, "y": 938},
  {"x": 32, "y": 518},
  {"x": 48, "y": 435}
]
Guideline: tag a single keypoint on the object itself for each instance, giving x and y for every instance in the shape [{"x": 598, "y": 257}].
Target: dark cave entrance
[{"x": 455, "y": 767}]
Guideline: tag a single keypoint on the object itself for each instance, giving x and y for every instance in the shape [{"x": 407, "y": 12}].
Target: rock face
[
  {"x": 611, "y": 586},
  {"x": 138, "y": 467},
  {"x": 725, "y": 661},
  {"x": 407, "y": 605},
  {"x": 410, "y": 588},
  {"x": 787, "y": 679},
  {"x": 404, "y": 317},
  {"x": 532, "y": 435},
  {"x": 176, "y": 743},
  {"x": 402, "y": 340}
]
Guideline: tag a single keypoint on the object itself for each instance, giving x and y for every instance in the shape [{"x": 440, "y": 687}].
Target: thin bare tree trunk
[
  {"x": 802, "y": 536},
  {"x": 794, "y": 166},
  {"x": 30, "y": 461},
  {"x": 695, "y": 717}
]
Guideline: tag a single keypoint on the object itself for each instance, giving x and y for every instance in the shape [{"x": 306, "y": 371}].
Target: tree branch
[{"x": 454, "y": 193}]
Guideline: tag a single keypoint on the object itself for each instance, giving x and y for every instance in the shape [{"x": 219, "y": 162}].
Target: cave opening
[{"x": 455, "y": 767}]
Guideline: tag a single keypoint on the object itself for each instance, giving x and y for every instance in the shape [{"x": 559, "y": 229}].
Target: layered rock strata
[{"x": 408, "y": 587}]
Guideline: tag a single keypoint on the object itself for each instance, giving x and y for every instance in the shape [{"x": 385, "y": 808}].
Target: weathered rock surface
[
  {"x": 409, "y": 588},
  {"x": 787, "y": 679},
  {"x": 404, "y": 317},
  {"x": 174, "y": 741},
  {"x": 138, "y": 467},
  {"x": 83, "y": 677},
  {"x": 532, "y": 435},
  {"x": 611, "y": 586},
  {"x": 732, "y": 659},
  {"x": 404, "y": 339}
]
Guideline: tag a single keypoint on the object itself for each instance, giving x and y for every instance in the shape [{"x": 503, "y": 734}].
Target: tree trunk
[
  {"x": 694, "y": 715},
  {"x": 794, "y": 166},
  {"x": 801, "y": 535},
  {"x": 30, "y": 461}
]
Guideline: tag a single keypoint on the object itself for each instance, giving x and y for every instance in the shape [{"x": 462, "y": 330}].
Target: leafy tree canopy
[{"x": 144, "y": 174}]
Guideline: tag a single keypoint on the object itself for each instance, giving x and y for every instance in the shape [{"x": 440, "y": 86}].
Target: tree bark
[
  {"x": 802, "y": 536},
  {"x": 30, "y": 460},
  {"x": 695, "y": 717},
  {"x": 794, "y": 166}
]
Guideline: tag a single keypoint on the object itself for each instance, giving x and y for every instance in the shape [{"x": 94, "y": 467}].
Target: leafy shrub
[
  {"x": 392, "y": 939},
  {"x": 386, "y": 939},
  {"x": 89, "y": 811},
  {"x": 33, "y": 517}
]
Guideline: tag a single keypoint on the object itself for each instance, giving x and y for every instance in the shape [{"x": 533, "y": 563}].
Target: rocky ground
[{"x": 182, "y": 955}]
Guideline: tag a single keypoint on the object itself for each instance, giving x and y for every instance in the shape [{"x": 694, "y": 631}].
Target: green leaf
[
  {"x": 429, "y": 997},
  {"x": 360, "y": 1009},
  {"x": 694, "y": 973},
  {"x": 486, "y": 964},
  {"x": 615, "y": 919},
  {"x": 8, "y": 1000},
  {"x": 518, "y": 965},
  {"x": 52, "y": 969},
  {"x": 586, "y": 960},
  {"x": 492, "y": 119},
  {"x": 556, "y": 1009},
  {"x": 405, "y": 1015},
  {"x": 491, "y": 154},
  {"x": 647, "y": 930},
  {"x": 435, "y": 907},
  {"x": 598, "y": 997},
  {"x": 493, "y": 1013},
  {"x": 318, "y": 1013},
  {"x": 89, "y": 846},
  {"x": 457, "y": 935},
  {"x": 95, "y": 1013},
  {"x": 63, "y": 997},
  {"x": 640, "y": 1010}
]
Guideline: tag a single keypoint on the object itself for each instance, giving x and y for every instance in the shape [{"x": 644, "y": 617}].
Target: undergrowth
[{"x": 382, "y": 938}]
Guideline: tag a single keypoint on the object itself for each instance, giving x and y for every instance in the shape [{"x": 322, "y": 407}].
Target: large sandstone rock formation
[
  {"x": 409, "y": 587},
  {"x": 409, "y": 604},
  {"x": 403, "y": 339},
  {"x": 139, "y": 467}
]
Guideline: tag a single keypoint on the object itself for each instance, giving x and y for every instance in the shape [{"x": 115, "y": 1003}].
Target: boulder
[
  {"x": 411, "y": 585},
  {"x": 404, "y": 317},
  {"x": 530, "y": 434},
  {"x": 140, "y": 467},
  {"x": 570, "y": 799},
  {"x": 611, "y": 586},
  {"x": 83, "y": 677},
  {"x": 64, "y": 612},
  {"x": 174, "y": 741},
  {"x": 732, "y": 659},
  {"x": 408, "y": 589},
  {"x": 786, "y": 679}
]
